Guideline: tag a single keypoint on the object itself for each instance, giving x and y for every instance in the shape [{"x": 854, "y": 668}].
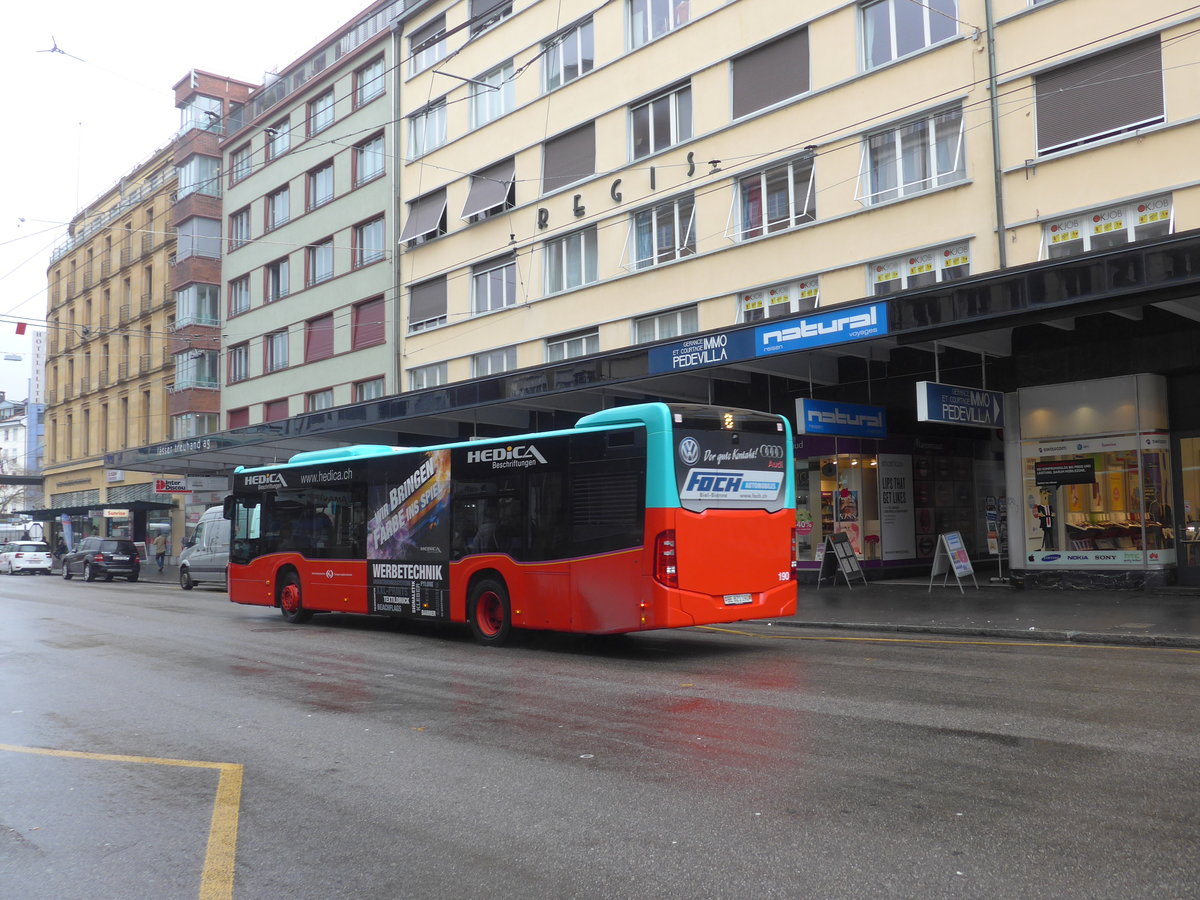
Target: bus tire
[
  {"x": 290, "y": 602},
  {"x": 490, "y": 612}
]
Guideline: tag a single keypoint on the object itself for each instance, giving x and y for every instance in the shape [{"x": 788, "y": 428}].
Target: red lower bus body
[{"x": 731, "y": 565}]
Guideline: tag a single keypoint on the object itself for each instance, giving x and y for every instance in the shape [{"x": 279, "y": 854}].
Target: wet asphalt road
[{"x": 384, "y": 760}]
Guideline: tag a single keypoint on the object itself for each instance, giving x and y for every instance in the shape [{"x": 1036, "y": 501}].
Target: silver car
[{"x": 25, "y": 556}]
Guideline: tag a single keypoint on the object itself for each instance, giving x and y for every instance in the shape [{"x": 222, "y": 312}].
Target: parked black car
[{"x": 103, "y": 558}]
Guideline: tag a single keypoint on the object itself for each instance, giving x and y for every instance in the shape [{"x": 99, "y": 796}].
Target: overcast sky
[{"x": 75, "y": 126}]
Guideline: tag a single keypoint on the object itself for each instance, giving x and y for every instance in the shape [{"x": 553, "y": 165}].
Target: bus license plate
[{"x": 737, "y": 599}]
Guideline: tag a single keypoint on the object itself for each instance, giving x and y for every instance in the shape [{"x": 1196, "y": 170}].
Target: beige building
[{"x": 655, "y": 168}]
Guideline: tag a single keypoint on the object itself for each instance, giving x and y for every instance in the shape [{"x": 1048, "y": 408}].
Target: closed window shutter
[
  {"x": 275, "y": 410},
  {"x": 427, "y": 300},
  {"x": 1100, "y": 96},
  {"x": 569, "y": 158},
  {"x": 368, "y": 323},
  {"x": 770, "y": 74},
  {"x": 239, "y": 418},
  {"x": 319, "y": 339}
]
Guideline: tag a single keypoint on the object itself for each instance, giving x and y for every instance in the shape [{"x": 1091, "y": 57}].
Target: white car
[{"x": 25, "y": 556}]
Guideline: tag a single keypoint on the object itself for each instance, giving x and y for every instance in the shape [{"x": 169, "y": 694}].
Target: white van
[{"x": 205, "y": 557}]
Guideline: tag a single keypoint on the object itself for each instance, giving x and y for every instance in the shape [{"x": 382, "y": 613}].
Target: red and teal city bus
[{"x": 640, "y": 517}]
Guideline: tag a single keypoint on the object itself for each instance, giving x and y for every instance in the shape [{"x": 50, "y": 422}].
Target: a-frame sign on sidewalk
[
  {"x": 951, "y": 556},
  {"x": 839, "y": 556}
]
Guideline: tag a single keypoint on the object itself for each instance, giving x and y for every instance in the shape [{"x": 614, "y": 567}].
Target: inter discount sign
[
  {"x": 171, "y": 486},
  {"x": 954, "y": 405}
]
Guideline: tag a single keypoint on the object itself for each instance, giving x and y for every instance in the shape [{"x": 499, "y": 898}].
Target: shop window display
[{"x": 1122, "y": 516}]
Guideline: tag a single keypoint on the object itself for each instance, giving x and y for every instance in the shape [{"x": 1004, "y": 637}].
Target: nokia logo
[
  {"x": 273, "y": 478},
  {"x": 809, "y": 328},
  {"x": 517, "y": 454}
]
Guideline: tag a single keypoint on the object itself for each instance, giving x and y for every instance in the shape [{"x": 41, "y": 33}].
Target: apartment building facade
[
  {"x": 758, "y": 204},
  {"x": 307, "y": 265},
  {"x": 581, "y": 178}
]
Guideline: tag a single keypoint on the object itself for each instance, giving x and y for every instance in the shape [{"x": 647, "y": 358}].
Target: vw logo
[
  {"x": 771, "y": 451},
  {"x": 689, "y": 451}
]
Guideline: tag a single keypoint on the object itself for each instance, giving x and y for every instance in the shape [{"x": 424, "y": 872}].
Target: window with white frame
[
  {"x": 319, "y": 400},
  {"x": 199, "y": 175},
  {"x": 239, "y": 363},
  {"x": 320, "y": 185},
  {"x": 368, "y": 82},
  {"x": 422, "y": 377},
  {"x": 1110, "y": 226},
  {"x": 426, "y": 219},
  {"x": 278, "y": 208},
  {"x": 568, "y": 55},
  {"x": 276, "y": 349},
  {"x": 493, "y": 285},
  {"x": 320, "y": 261},
  {"x": 197, "y": 304},
  {"x": 427, "y": 129},
  {"x": 493, "y": 95},
  {"x": 368, "y": 159},
  {"x": 368, "y": 242},
  {"x": 920, "y": 269},
  {"x": 198, "y": 236},
  {"x": 240, "y": 163},
  {"x": 661, "y": 122},
  {"x": 779, "y": 301},
  {"x": 661, "y": 326},
  {"x": 279, "y": 138},
  {"x": 492, "y": 191},
  {"x": 664, "y": 232},
  {"x": 239, "y": 228},
  {"x": 1108, "y": 94},
  {"x": 427, "y": 305},
  {"x": 895, "y": 28},
  {"x": 196, "y": 369},
  {"x": 320, "y": 112},
  {"x": 569, "y": 346},
  {"x": 427, "y": 44},
  {"x": 571, "y": 260},
  {"x": 651, "y": 19},
  {"x": 776, "y": 198},
  {"x": 239, "y": 295},
  {"x": 371, "y": 389},
  {"x": 486, "y": 13},
  {"x": 190, "y": 425},
  {"x": 913, "y": 157},
  {"x": 278, "y": 281},
  {"x": 493, "y": 362}
]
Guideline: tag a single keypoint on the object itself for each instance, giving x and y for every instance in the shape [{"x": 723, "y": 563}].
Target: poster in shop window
[{"x": 898, "y": 536}]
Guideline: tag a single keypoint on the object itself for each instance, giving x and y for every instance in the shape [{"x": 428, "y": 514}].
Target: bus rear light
[
  {"x": 795, "y": 553},
  {"x": 665, "y": 571}
]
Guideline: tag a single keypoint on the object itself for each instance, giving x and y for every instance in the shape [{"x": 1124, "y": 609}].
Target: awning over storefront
[{"x": 45, "y": 515}]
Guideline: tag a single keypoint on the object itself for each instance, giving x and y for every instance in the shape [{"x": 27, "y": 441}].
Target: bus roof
[{"x": 653, "y": 416}]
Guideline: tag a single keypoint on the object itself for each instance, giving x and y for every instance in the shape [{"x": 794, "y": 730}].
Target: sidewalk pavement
[{"x": 1167, "y": 617}]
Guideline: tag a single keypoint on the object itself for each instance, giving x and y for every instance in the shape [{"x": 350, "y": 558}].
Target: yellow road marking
[
  {"x": 216, "y": 880},
  {"x": 877, "y": 640}
]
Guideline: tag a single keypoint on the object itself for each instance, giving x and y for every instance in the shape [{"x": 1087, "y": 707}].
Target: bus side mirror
[{"x": 228, "y": 508}]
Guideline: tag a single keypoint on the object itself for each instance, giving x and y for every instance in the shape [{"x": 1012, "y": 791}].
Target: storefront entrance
[{"x": 1187, "y": 504}]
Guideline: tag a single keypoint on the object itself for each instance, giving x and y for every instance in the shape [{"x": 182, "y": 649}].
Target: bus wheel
[
  {"x": 289, "y": 600},
  {"x": 489, "y": 612}
]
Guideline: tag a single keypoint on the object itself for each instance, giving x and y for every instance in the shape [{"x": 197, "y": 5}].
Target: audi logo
[{"x": 771, "y": 451}]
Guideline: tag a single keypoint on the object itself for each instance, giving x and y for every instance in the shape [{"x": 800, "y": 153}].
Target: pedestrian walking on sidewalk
[{"x": 160, "y": 550}]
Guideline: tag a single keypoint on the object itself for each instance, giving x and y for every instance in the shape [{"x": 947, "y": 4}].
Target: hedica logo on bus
[
  {"x": 272, "y": 478},
  {"x": 730, "y": 484},
  {"x": 513, "y": 456}
]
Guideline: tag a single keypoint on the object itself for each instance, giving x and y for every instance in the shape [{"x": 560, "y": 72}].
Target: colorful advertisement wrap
[
  {"x": 408, "y": 551},
  {"x": 721, "y": 469}
]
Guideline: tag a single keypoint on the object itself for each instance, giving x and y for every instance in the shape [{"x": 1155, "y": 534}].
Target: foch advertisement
[{"x": 408, "y": 535}]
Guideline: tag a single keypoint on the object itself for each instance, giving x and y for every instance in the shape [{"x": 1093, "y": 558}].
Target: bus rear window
[{"x": 730, "y": 468}]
